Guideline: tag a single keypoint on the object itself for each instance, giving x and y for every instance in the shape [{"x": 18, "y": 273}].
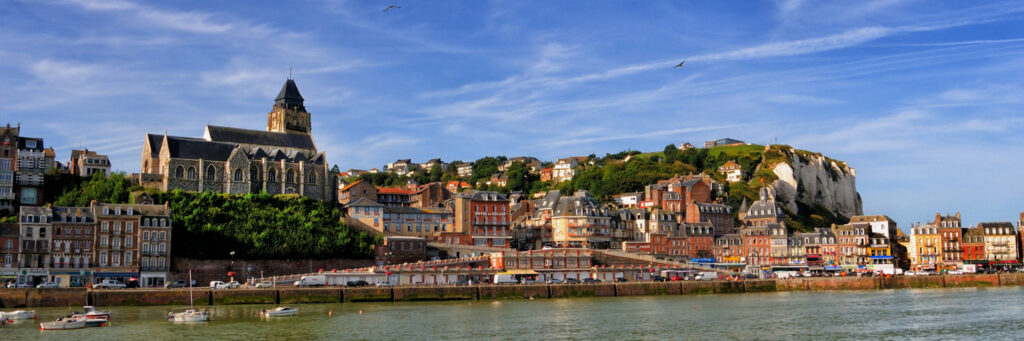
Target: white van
[
  {"x": 706, "y": 276},
  {"x": 505, "y": 279},
  {"x": 311, "y": 281}
]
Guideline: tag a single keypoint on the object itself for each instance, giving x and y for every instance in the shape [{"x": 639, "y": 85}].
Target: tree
[
  {"x": 436, "y": 173},
  {"x": 335, "y": 169},
  {"x": 519, "y": 177}
]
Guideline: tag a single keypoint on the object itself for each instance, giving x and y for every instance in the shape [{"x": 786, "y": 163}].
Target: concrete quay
[{"x": 27, "y": 298}]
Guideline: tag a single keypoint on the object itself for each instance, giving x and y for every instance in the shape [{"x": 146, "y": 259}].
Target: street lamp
[{"x": 231, "y": 267}]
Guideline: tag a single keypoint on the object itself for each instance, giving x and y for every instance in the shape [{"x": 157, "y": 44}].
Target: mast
[{"x": 190, "y": 288}]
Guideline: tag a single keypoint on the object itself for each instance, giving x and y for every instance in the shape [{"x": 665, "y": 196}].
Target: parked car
[
  {"x": 356, "y": 284},
  {"x": 462, "y": 282},
  {"x": 555, "y": 281},
  {"x": 233, "y": 285},
  {"x": 388, "y": 284},
  {"x": 676, "y": 278},
  {"x": 530, "y": 281},
  {"x": 21, "y": 286},
  {"x": 572, "y": 281},
  {"x": 48, "y": 285},
  {"x": 505, "y": 279},
  {"x": 954, "y": 272},
  {"x": 109, "y": 284},
  {"x": 621, "y": 279},
  {"x": 591, "y": 281},
  {"x": 658, "y": 278},
  {"x": 216, "y": 285},
  {"x": 174, "y": 285},
  {"x": 265, "y": 284}
]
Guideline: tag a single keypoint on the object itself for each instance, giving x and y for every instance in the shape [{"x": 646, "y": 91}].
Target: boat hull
[
  {"x": 62, "y": 325},
  {"x": 280, "y": 313},
  {"x": 19, "y": 315}
]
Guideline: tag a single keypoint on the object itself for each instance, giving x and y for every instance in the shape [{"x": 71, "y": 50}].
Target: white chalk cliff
[{"x": 815, "y": 180}]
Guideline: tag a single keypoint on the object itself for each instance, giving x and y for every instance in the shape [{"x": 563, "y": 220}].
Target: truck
[
  {"x": 311, "y": 281},
  {"x": 706, "y": 276},
  {"x": 504, "y": 278}
]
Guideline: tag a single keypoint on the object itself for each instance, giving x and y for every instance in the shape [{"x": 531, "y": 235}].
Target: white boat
[
  {"x": 280, "y": 312},
  {"x": 97, "y": 321},
  {"x": 19, "y": 315},
  {"x": 4, "y": 321},
  {"x": 92, "y": 313},
  {"x": 192, "y": 314},
  {"x": 63, "y": 323}
]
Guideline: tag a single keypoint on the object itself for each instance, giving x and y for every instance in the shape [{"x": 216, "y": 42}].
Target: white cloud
[
  {"x": 803, "y": 46},
  {"x": 56, "y": 71},
  {"x": 185, "y": 21},
  {"x": 801, "y": 99}
]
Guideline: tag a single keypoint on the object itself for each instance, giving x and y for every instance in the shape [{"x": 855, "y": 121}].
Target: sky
[{"x": 923, "y": 98}]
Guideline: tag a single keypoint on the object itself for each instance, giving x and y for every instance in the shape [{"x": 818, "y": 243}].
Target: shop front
[
  {"x": 33, "y": 277},
  {"x": 67, "y": 278},
  {"x": 152, "y": 279},
  {"x": 8, "y": 276},
  {"x": 124, "y": 277}
]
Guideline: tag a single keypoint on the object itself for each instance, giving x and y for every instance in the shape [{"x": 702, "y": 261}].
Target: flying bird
[
  {"x": 390, "y": 7},
  {"x": 681, "y": 63}
]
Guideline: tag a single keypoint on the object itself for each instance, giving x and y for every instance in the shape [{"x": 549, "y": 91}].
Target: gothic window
[
  {"x": 312, "y": 177},
  {"x": 271, "y": 175},
  {"x": 238, "y": 175},
  {"x": 290, "y": 177},
  {"x": 179, "y": 172},
  {"x": 191, "y": 173},
  {"x": 211, "y": 173},
  {"x": 254, "y": 174}
]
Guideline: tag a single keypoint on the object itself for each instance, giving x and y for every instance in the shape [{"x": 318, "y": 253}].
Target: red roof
[{"x": 392, "y": 190}]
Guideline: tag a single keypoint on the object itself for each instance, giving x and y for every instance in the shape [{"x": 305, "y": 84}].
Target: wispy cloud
[
  {"x": 186, "y": 21},
  {"x": 635, "y": 136}
]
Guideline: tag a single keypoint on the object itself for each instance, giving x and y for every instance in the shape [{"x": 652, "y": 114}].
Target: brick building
[
  {"x": 719, "y": 215},
  {"x": 484, "y": 216}
]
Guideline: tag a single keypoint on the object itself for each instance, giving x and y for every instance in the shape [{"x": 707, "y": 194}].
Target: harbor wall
[{"x": 19, "y": 298}]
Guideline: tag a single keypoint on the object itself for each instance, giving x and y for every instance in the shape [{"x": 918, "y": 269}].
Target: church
[{"x": 281, "y": 160}]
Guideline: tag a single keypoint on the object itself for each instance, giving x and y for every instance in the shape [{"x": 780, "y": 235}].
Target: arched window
[
  {"x": 191, "y": 173},
  {"x": 211, "y": 173},
  {"x": 290, "y": 177},
  {"x": 271, "y": 175},
  {"x": 179, "y": 172},
  {"x": 254, "y": 174},
  {"x": 238, "y": 175},
  {"x": 312, "y": 177}
]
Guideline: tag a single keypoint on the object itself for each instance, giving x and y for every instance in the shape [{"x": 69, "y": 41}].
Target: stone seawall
[{"x": 19, "y": 298}]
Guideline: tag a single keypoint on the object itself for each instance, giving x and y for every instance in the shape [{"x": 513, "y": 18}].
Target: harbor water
[{"x": 927, "y": 314}]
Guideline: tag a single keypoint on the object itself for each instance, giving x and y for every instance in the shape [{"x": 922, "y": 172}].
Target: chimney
[{"x": 957, "y": 215}]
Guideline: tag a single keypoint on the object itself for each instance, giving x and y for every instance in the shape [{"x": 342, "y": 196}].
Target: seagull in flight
[
  {"x": 390, "y": 7},
  {"x": 681, "y": 63}
]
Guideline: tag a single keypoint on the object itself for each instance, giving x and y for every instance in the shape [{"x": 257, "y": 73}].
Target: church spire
[{"x": 289, "y": 97}]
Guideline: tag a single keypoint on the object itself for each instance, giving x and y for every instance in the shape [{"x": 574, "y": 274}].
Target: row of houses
[
  {"x": 77, "y": 246},
  {"x": 943, "y": 244}
]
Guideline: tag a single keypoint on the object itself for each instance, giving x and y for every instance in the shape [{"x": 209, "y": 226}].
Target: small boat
[
  {"x": 191, "y": 315},
  {"x": 19, "y": 315},
  {"x": 63, "y": 323},
  {"x": 98, "y": 321},
  {"x": 4, "y": 321},
  {"x": 280, "y": 312},
  {"x": 92, "y": 313}
]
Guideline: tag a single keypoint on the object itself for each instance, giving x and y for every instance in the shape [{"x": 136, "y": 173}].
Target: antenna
[{"x": 289, "y": 72}]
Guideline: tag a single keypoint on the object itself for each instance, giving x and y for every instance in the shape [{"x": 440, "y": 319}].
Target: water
[{"x": 927, "y": 314}]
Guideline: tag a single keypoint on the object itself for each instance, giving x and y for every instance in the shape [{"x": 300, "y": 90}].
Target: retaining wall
[
  {"x": 103, "y": 298},
  {"x": 366, "y": 294},
  {"x": 243, "y": 296},
  {"x": 514, "y": 291},
  {"x": 18, "y": 298}
]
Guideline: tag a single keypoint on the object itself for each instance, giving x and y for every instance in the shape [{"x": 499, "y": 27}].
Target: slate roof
[
  {"x": 766, "y": 207},
  {"x": 289, "y": 97},
  {"x": 155, "y": 142},
  {"x": 258, "y": 137},
  {"x": 193, "y": 148},
  {"x": 69, "y": 212}
]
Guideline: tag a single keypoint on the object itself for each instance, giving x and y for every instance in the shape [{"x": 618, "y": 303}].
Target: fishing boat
[
  {"x": 19, "y": 315},
  {"x": 92, "y": 313},
  {"x": 97, "y": 321},
  {"x": 192, "y": 314},
  {"x": 63, "y": 323},
  {"x": 280, "y": 312}
]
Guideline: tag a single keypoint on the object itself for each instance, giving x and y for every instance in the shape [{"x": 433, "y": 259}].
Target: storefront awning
[{"x": 519, "y": 272}]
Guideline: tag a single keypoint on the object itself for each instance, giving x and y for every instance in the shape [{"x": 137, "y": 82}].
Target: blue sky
[{"x": 923, "y": 98}]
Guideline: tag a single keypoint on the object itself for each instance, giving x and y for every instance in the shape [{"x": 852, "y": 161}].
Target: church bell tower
[{"x": 289, "y": 115}]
